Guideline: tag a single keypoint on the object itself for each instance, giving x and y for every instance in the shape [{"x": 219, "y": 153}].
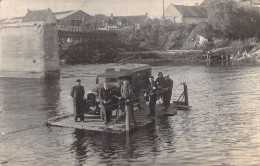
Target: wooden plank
[{"x": 90, "y": 123}]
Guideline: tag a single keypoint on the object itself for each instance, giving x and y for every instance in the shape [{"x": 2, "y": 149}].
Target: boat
[{"x": 138, "y": 76}]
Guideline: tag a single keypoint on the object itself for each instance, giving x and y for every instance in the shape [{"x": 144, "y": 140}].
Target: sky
[{"x": 16, "y": 8}]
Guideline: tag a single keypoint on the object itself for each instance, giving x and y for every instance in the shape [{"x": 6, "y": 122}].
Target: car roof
[
  {"x": 123, "y": 70},
  {"x": 114, "y": 74},
  {"x": 132, "y": 67}
]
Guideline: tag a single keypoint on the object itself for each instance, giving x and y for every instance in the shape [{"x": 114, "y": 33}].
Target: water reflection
[
  {"x": 80, "y": 146},
  {"x": 118, "y": 148},
  {"x": 222, "y": 127},
  {"x": 28, "y": 100},
  {"x": 51, "y": 94}
]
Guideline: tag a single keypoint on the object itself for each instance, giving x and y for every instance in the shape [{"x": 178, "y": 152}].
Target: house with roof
[
  {"x": 72, "y": 17},
  {"x": 45, "y": 16},
  {"x": 249, "y": 4},
  {"x": 185, "y": 14},
  {"x": 29, "y": 46},
  {"x": 124, "y": 22},
  {"x": 111, "y": 23}
]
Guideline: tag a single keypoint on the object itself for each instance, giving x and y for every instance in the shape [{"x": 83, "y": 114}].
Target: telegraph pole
[{"x": 163, "y": 12}]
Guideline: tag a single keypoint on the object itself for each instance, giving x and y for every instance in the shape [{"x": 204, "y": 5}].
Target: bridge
[
  {"x": 79, "y": 36},
  {"x": 86, "y": 46}
]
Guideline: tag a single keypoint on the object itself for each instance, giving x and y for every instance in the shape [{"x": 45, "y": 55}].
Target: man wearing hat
[
  {"x": 152, "y": 93},
  {"x": 168, "y": 92},
  {"x": 77, "y": 93}
]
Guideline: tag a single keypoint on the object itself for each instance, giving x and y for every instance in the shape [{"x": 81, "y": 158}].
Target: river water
[{"x": 222, "y": 128}]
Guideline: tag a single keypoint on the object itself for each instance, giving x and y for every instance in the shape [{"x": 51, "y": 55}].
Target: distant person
[
  {"x": 167, "y": 92},
  {"x": 106, "y": 96},
  {"x": 209, "y": 55},
  {"x": 77, "y": 93},
  {"x": 151, "y": 92},
  {"x": 160, "y": 81}
]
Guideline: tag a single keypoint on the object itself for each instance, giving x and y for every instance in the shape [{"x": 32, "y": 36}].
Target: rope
[{"x": 4, "y": 134}]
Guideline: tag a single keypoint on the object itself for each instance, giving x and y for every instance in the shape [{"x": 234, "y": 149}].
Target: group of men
[
  {"x": 106, "y": 96},
  {"x": 161, "y": 90},
  {"x": 125, "y": 98}
]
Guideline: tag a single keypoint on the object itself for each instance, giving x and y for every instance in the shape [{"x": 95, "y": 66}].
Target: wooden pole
[
  {"x": 127, "y": 118},
  {"x": 186, "y": 94},
  {"x": 163, "y": 12}
]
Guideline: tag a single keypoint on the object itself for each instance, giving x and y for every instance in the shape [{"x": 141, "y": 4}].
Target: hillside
[{"x": 171, "y": 36}]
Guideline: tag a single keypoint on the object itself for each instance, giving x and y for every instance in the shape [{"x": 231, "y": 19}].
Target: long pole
[
  {"x": 163, "y": 11},
  {"x": 127, "y": 118},
  {"x": 186, "y": 94}
]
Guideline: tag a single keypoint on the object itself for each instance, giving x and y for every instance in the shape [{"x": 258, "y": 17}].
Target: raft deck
[{"x": 94, "y": 123}]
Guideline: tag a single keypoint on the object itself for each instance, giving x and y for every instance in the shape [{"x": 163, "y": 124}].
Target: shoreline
[{"x": 184, "y": 56}]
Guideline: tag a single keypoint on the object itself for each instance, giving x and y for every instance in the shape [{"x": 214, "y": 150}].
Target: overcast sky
[{"x": 15, "y": 8}]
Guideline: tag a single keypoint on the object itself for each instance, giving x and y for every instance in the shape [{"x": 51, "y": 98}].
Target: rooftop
[
  {"x": 137, "y": 19},
  {"x": 191, "y": 11},
  {"x": 63, "y": 14},
  {"x": 36, "y": 15}
]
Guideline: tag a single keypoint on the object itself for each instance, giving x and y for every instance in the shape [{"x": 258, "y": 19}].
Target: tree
[
  {"x": 222, "y": 16},
  {"x": 234, "y": 22}
]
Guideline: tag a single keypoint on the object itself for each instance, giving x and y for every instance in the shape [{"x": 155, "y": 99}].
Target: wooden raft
[{"x": 94, "y": 123}]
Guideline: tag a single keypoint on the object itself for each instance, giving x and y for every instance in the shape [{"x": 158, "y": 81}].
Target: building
[
  {"x": 125, "y": 22},
  {"x": 111, "y": 23},
  {"x": 249, "y": 4},
  {"x": 72, "y": 17},
  {"x": 185, "y": 14},
  {"x": 29, "y": 46}
]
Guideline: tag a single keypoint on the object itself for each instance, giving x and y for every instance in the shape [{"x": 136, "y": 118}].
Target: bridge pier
[{"x": 29, "y": 51}]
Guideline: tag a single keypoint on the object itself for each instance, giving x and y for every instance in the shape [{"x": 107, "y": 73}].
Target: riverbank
[
  {"x": 160, "y": 56},
  {"x": 188, "y": 56}
]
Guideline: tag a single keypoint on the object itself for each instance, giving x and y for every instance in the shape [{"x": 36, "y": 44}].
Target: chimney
[
  {"x": 196, "y": 4},
  {"x": 112, "y": 17},
  {"x": 146, "y": 15},
  {"x": 28, "y": 10}
]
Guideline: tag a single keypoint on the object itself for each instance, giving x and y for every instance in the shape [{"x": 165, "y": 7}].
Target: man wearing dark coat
[
  {"x": 77, "y": 93},
  {"x": 106, "y": 95},
  {"x": 168, "y": 92},
  {"x": 152, "y": 93},
  {"x": 160, "y": 81}
]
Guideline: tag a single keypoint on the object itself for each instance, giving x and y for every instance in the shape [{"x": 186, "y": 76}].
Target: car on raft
[{"x": 137, "y": 75}]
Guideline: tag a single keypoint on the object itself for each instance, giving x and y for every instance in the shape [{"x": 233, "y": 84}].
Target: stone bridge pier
[{"x": 29, "y": 51}]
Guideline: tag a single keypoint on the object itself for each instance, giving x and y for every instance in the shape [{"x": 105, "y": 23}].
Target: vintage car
[{"x": 137, "y": 74}]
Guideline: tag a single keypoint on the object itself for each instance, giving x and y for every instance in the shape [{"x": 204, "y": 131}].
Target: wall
[
  {"x": 193, "y": 20},
  {"x": 51, "y": 51},
  {"x": 173, "y": 14},
  {"x": 29, "y": 51}
]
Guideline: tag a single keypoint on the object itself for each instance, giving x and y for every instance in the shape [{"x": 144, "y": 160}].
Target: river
[{"x": 222, "y": 128}]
